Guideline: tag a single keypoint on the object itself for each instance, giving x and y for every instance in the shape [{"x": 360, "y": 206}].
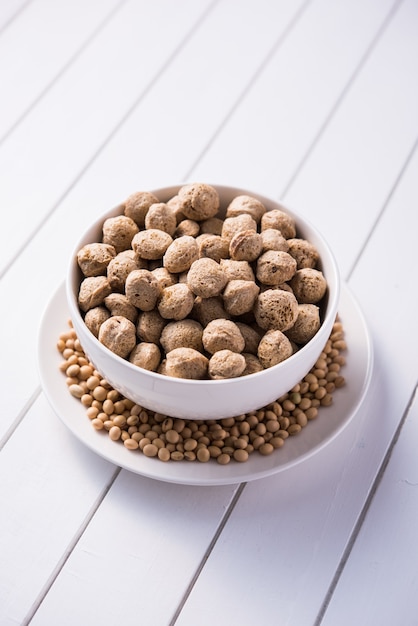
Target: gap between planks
[
  {"x": 270, "y": 54},
  {"x": 208, "y": 552},
  {"x": 15, "y": 424},
  {"x": 14, "y": 16},
  {"x": 343, "y": 94},
  {"x": 390, "y": 195},
  {"x": 61, "y": 563}
]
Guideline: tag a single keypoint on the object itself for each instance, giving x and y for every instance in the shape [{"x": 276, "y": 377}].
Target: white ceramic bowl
[{"x": 206, "y": 399}]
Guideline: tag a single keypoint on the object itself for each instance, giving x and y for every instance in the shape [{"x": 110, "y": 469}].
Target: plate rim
[{"x": 207, "y": 474}]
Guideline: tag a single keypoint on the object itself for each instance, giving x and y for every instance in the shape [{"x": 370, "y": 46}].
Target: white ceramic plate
[{"x": 318, "y": 433}]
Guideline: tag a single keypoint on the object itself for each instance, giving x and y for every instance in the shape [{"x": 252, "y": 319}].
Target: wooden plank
[
  {"x": 381, "y": 573},
  {"x": 393, "y": 280},
  {"x": 272, "y": 127},
  {"x": 386, "y": 544},
  {"x": 281, "y": 542},
  {"x": 32, "y": 57},
  {"x": 51, "y": 487},
  {"x": 10, "y": 10},
  {"x": 46, "y": 496},
  {"x": 139, "y": 536},
  {"x": 216, "y": 78},
  {"x": 82, "y": 110}
]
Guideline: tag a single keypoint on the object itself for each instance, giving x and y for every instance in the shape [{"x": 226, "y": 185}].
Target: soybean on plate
[{"x": 330, "y": 422}]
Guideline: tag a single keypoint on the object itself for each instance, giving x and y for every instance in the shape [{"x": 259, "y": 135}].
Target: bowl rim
[{"x": 331, "y": 305}]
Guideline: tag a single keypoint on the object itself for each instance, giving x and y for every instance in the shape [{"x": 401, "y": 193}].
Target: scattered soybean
[{"x": 222, "y": 441}]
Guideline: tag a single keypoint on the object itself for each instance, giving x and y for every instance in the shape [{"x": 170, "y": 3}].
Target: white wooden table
[{"x": 314, "y": 102}]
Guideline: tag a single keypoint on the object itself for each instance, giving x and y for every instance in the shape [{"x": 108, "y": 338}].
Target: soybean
[{"x": 230, "y": 439}]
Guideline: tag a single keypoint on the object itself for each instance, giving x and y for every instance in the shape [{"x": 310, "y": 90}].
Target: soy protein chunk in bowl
[
  {"x": 120, "y": 266},
  {"x": 180, "y": 254},
  {"x": 226, "y": 364},
  {"x": 93, "y": 258},
  {"x": 245, "y": 204},
  {"x": 276, "y": 309},
  {"x": 204, "y": 255},
  {"x": 119, "y": 231},
  {"x": 162, "y": 217},
  {"x": 198, "y": 201},
  {"x": 184, "y": 333},
  {"x": 151, "y": 244},
  {"x": 303, "y": 251},
  {"x": 93, "y": 290},
  {"x": 280, "y": 220},
  {"x": 309, "y": 285},
  {"x": 206, "y": 278},
  {"x": 146, "y": 355},
  {"x": 186, "y": 363},
  {"x": 137, "y": 204},
  {"x": 307, "y": 324},
  {"x": 142, "y": 289},
  {"x": 222, "y": 335},
  {"x": 95, "y": 317},
  {"x": 118, "y": 334},
  {"x": 274, "y": 348}
]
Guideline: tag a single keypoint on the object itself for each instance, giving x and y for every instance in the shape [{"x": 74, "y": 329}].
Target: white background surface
[{"x": 313, "y": 102}]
